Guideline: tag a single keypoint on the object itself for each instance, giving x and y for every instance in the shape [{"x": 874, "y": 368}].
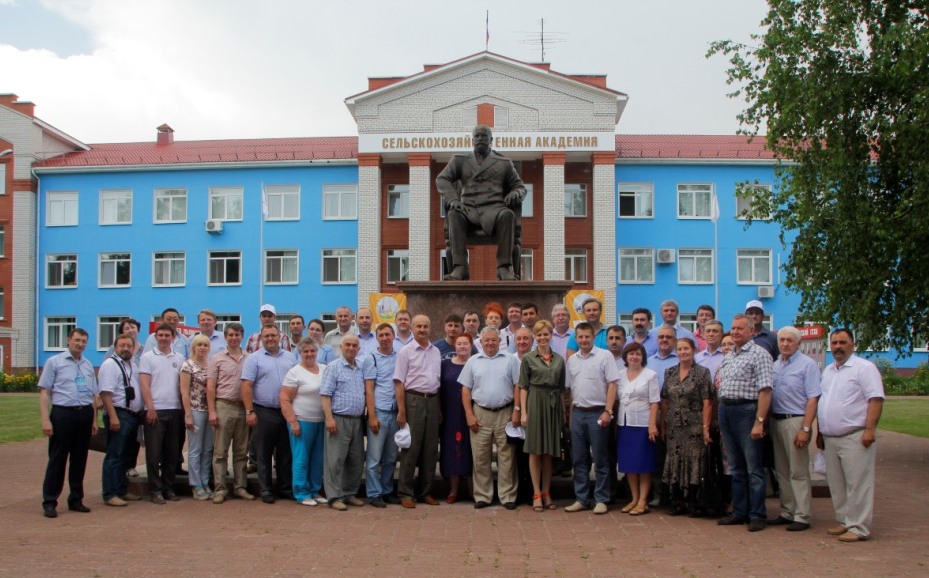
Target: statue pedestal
[{"x": 439, "y": 298}]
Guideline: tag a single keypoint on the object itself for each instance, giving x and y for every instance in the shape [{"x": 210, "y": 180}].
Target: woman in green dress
[{"x": 542, "y": 383}]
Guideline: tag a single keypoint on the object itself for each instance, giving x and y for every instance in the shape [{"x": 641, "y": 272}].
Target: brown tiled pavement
[{"x": 190, "y": 538}]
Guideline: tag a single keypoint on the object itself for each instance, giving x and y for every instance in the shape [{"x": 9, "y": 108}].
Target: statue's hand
[
  {"x": 455, "y": 206},
  {"x": 513, "y": 199}
]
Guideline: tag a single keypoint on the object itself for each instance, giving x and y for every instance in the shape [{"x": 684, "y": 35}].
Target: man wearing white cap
[
  {"x": 767, "y": 340},
  {"x": 267, "y": 315}
]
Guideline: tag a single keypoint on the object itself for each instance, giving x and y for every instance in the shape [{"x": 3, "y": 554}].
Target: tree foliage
[{"x": 841, "y": 88}]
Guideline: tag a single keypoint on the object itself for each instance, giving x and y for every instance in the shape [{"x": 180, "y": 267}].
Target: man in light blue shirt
[
  {"x": 67, "y": 398},
  {"x": 343, "y": 398},
  {"x": 367, "y": 341},
  {"x": 180, "y": 344},
  {"x": 262, "y": 376},
  {"x": 641, "y": 321},
  {"x": 381, "y": 402},
  {"x": 669, "y": 315},
  {"x": 206, "y": 319},
  {"x": 713, "y": 355},
  {"x": 665, "y": 357}
]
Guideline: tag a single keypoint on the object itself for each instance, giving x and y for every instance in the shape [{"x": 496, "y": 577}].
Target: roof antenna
[{"x": 541, "y": 39}]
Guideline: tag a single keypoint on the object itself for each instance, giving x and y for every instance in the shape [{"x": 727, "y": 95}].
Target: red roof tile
[{"x": 650, "y": 146}]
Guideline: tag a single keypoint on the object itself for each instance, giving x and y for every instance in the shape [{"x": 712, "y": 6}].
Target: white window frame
[
  {"x": 398, "y": 258},
  {"x": 282, "y": 257},
  {"x": 572, "y": 192},
  {"x": 691, "y": 190},
  {"x": 400, "y": 209},
  {"x": 688, "y": 321},
  {"x": 167, "y": 259},
  {"x": 637, "y": 253},
  {"x": 339, "y": 254},
  {"x": 115, "y": 257},
  {"x": 2, "y": 192},
  {"x": 341, "y": 192},
  {"x": 501, "y": 117},
  {"x": 694, "y": 255},
  {"x": 526, "y": 262},
  {"x": 469, "y": 117},
  {"x": 61, "y": 324},
  {"x": 282, "y": 322},
  {"x": 2, "y": 241},
  {"x": 227, "y": 193},
  {"x": 2, "y": 304},
  {"x": 111, "y": 200},
  {"x": 742, "y": 254},
  {"x": 276, "y": 200},
  {"x": 223, "y": 319},
  {"x": 224, "y": 255},
  {"x": 67, "y": 202},
  {"x": 576, "y": 259},
  {"x": 526, "y": 210},
  {"x": 175, "y": 198},
  {"x": 624, "y": 320},
  {"x": 743, "y": 203},
  {"x": 108, "y": 323},
  {"x": 49, "y": 262},
  {"x": 643, "y": 195}
]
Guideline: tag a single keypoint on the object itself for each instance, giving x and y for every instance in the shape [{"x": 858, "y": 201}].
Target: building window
[
  {"x": 61, "y": 209},
  {"x": 340, "y": 202},
  {"x": 283, "y": 202},
  {"x": 115, "y": 270},
  {"x": 225, "y": 268},
  {"x": 688, "y": 321},
  {"x": 694, "y": 201},
  {"x": 116, "y": 207},
  {"x": 636, "y": 266},
  {"x": 695, "y": 266},
  {"x": 2, "y": 304},
  {"x": 60, "y": 271},
  {"x": 107, "y": 330},
  {"x": 636, "y": 200},
  {"x": 526, "y": 210},
  {"x": 398, "y": 265},
  {"x": 443, "y": 262},
  {"x": 754, "y": 266},
  {"x": 226, "y": 203},
  {"x": 170, "y": 205},
  {"x": 469, "y": 117},
  {"x": 339, "y": 266},
  {"x": 501, "y": 118},
  {"x": 224, "y": 319},
  {"x": 56, "y": 332},
  {"x": 525, "y": 264},
  {"x": 281, "y": 267},
  {"x": 2, "y": 241},
  {"x": 398, "y": 201},
  {"x": 283, "y": 325},
  {"x": 575, "y": 265},
  {"x": 743, "y": 204},
  {"x": 575, "y": 200},
  {"x": 2, "y": 192},
  {"x": 169, "y": 269}
]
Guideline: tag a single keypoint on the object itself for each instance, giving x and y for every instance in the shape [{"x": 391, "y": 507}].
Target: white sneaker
[
  {"x": 309, "y": 502},
  {"x": 132, "y": 473},
  {"x": 320, "y": 499}
]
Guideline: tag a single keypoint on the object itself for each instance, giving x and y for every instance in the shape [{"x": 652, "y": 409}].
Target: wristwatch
[
  {"x": 516, "y": 408},
  {"x": 806, "y": 429},
  {"x": 759, "y": 419},
  {"x": 249, "y": 411}
]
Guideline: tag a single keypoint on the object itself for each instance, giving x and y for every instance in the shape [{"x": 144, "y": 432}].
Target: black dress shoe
[
  {"x": 730, "y": 521},
  {"x": 510, "y": 505},
  {"x": 391, "y": 499},
  {"x": 797, "y": 527},
  {"x": 267, "y": 499},
  {"x": 480, "y": 505},
  {"x": 78, "y": 507},
  {"x": 50, "y": 512},
  {"x": 757, "y": 525},
  {"x": 779, "y": 521}
]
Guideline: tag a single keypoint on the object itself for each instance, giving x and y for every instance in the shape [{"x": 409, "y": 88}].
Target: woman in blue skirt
[{"x": 639, "y": 395}]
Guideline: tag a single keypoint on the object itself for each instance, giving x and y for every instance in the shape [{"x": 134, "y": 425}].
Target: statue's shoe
[
  {"x": 458, "y": 274},
  {"x": 505, "y": 274}
]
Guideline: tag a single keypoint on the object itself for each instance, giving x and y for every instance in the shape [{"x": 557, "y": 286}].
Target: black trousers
[
  {"x": 272, "y": 439},
  {"x": 162, "y": 449},
  {"x": 496, "y": 220},
  {"x": 71, "y": 428}
]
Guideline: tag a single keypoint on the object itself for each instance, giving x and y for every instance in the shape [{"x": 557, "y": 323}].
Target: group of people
[{"x": 681, "y": 414}]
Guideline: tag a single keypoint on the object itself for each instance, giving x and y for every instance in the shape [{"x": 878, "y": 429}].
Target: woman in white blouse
[{"x": 639, "y": 396}]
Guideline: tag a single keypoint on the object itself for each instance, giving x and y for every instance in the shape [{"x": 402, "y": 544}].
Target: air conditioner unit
[
  {"x": 214, "y": 226},
  {"x": 765, "y": 291},
  {"x": 666, "y": 256}
]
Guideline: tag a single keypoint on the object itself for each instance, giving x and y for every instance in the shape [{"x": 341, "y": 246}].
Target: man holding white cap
[
  {"x": 767, "y": 340},
  {"x": 267, "y": 315}
]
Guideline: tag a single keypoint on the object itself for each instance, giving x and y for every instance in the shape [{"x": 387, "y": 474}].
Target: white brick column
[
  {"x": 604, "y": 216},
  {"x": 553, "y": 210},
  {"x": 369, "y": 227},
  {"x": 420, "y": 196},
  {"x": 24, "y": 278}
]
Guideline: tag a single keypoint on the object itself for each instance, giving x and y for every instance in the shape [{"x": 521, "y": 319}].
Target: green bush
[
  {"x": 23, "y": 382},
  {"x": 918, "y": 384}
]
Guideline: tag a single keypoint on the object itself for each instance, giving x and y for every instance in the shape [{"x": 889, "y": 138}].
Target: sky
[{"x": 113, "y": 70}]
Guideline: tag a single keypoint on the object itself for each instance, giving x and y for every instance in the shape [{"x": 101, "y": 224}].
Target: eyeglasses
[{"x": 666, "y": 337}]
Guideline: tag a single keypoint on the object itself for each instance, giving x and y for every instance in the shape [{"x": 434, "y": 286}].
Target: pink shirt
[{"x": 418, "y": 367}]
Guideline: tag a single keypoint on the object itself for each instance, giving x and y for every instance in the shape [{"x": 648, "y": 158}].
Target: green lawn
[
  {"x": 19, "y": 417},
  {"x": 909, "y": 416}
]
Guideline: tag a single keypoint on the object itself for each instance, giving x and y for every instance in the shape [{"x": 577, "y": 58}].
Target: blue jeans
[
  {"x": 381, "y": 458},
  {"x": 307, "y": 450},
  {"x": 116, "y": 462},
  {"x": 744, "y": 453},
  {"x": 587, "y": 436},
  {"x": 200, "y": 450}
]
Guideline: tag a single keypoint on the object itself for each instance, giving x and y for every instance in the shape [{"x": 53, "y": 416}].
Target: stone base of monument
[{"x": 439, "y": 298}]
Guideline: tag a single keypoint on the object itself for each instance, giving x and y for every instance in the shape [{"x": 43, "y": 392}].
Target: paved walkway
[{"x": 239, "y": 538}]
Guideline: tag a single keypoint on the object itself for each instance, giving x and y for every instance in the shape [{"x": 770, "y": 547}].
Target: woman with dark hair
[
  {"x": 455, "y": 461},
  {"x": 639, "y": 395},
  {"x": 317, "y": 330},
  {"x": 686, "y": 412}
]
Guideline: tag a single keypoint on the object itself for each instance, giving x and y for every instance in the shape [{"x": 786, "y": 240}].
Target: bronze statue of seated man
[{"x": 490, "y": 192}]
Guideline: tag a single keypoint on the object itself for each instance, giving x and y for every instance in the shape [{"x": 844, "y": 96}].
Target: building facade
[{"x": 313, "y": 223}]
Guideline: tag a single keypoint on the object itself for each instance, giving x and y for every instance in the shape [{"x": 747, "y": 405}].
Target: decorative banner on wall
[
  {"x": 384, "y": 306},
  {"x": 574, "y": 300}
]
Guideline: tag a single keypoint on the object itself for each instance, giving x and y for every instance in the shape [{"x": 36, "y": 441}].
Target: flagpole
[{"x": 487, "y": 32}]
